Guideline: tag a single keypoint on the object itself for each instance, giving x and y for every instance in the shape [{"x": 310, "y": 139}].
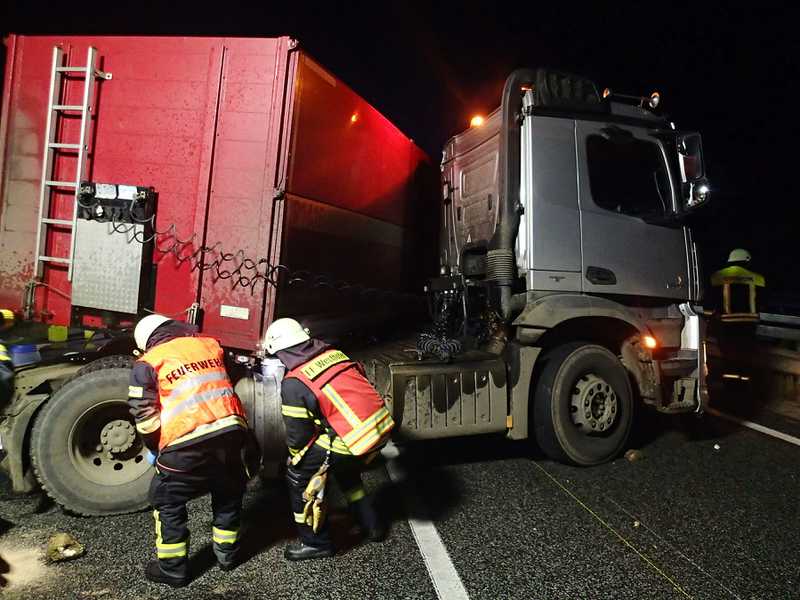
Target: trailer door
[{"x": 243, "y": 189}]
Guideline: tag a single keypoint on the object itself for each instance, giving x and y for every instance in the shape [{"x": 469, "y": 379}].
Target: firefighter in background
[
  {"x": 6, "y": 376},
  {"x": 334, "y": 420},
  {"x": 6, "y": 366},
  {"x": 189, "y": 417},
  {"x": 738, "y": 285},
  {"x": 6, "y": 391}
]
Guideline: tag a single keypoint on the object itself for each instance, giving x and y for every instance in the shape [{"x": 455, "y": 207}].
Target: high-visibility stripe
[
  {"x": 210, "y": 428},
  {"x": 365, "y": 443},
  {"x": 224, "y": 536},
  {"x": 342, "y": 406},
  {"x": 338, "y": 445},
  {"x": 135, "y": 391},
  {"x": 323, "y": 362},
  {"x": 175, "y": 546},
  {"x": 370, "y": 423},
  {"x": 172, "y": 553},
  {"x": 370, "y": 439},
  {"x": 293, "y": 451},
  {"x": 299, "y": 518},
  {"x": 149, "y": 425},
  {"x": 371, "y": 435},
  {"x": 171, "y": 550},
  {"x": 382, "y": 428},
  {"x": 298, "y": 412},
  {"x": 200, "y": 398},
  {"x": 355, "y": 494},
  {"x": 193, "y": 380},
  {"x": 8, "y": 315}
]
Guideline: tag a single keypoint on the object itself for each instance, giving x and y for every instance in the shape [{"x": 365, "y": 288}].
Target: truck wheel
[
  {"x": 583, "y": 405},
  {"x": 84, "y": 447},
  {"x": 115, "y": 361}
]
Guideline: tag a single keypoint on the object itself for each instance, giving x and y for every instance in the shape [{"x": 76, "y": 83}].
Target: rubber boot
[
  {"x": 368, "y": 520},
  {"x": 154, "y": 573}
]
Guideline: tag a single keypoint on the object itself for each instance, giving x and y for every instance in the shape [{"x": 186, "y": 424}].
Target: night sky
[{"x": 730, "y": 73}]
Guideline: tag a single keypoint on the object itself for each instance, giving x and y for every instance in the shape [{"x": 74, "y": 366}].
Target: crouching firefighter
[
  {"x": 189, "y": 417},
  {"x": 335, "y": 423}
]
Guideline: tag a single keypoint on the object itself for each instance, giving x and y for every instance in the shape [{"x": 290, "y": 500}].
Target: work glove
[
  {"x": 314, "y": 510},
  {"x": 150, "y": 457}
]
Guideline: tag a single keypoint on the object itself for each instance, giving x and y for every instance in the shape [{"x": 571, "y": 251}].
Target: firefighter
[
  {"x": 738, "y": 285},
  {"x": 6, "y": 366},
  {"x": 6, "y": 376},
  {"x": 334, "y": 420},
  {"x": 188, "y": 416}
]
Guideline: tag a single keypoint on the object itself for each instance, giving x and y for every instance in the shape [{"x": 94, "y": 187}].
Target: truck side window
[{"x": 628, "y": 175}]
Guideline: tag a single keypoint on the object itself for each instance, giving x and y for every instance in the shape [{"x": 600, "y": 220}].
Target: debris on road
[
  {"x": 637, "y": 523},
  {"x": 62, "y": 546},
  {"x": 634, "y": 455},
  {"x": 716, "y": 446}
]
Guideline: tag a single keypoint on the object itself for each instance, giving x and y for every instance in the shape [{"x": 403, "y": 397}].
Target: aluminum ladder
[{"x": 55, "y": 109}]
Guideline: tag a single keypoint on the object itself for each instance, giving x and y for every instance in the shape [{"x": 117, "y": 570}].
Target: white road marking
[
  {"x": 755, "y": 426},
  {"x": 443, "y": 574}
]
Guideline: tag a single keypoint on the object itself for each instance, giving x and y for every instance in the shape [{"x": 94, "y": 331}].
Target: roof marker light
[{"x": 476, "y": 121}]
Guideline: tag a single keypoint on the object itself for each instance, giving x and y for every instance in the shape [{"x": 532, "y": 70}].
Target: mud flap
[{"x": 436, "y": 399}]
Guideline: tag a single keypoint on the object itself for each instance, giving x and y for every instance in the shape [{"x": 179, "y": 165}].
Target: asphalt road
[{"x": 687, "y": 521}]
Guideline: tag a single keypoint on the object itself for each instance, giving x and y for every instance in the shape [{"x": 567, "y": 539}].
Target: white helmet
[
  {"x": 284, "y": 333},
  {"x": 146, "y": 327},
  {"x": 739, "y": 255}
]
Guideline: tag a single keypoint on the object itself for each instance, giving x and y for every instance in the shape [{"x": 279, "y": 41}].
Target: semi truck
[{"x": 229, "y": 182}]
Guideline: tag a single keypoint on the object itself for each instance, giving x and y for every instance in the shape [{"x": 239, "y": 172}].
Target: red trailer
[
  {"x": 228, "y": 181},
  {"x": 253, "y": 149}
]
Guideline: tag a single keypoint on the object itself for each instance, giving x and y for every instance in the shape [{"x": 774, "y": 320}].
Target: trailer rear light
[
  {"x": 649, "y": 342},
  {"x": 476, "y": 121}
]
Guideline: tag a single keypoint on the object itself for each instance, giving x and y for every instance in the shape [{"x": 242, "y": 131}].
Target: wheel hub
[
  {"x": 593, "y": 404},
  {"x": 117, "y": 436}
]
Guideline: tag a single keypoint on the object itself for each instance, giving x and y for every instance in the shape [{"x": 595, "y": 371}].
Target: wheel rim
[
  {"x": 593, "y": 406},
  {"x": 104, "y": 447}
]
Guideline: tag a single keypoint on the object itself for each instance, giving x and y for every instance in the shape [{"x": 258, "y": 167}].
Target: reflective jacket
[
  {"x": 195, "y": 396},
  {"x": 736, "y": 274},
  {"x": 347, "y": 401}
]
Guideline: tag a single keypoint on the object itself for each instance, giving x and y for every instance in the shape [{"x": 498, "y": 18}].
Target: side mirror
[{"x": 695, "y": 186}]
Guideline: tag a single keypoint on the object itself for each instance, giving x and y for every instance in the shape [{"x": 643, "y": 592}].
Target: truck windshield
[{"x": 628, "y": 175}]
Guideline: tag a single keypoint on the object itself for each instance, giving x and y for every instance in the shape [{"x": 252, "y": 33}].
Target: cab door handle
[{"x": 600, "y": 276}]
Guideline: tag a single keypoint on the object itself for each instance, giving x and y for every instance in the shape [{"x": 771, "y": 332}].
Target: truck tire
[
  {"x": 583, "y": 405},
  {"x": 115, "y": 361},
  {"x": 84, "y": 447}
]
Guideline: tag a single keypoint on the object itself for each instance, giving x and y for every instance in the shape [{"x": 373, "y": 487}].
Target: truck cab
[{"x": 565, "y": 254}]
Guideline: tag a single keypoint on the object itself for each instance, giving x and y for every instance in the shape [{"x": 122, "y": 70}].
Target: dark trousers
[
  {"x": 212, "y": 466},
  {"x": 346, "y": 470}
]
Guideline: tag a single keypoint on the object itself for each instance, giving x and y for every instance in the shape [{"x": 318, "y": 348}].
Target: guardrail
[{"x": 769, "y": 361}]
